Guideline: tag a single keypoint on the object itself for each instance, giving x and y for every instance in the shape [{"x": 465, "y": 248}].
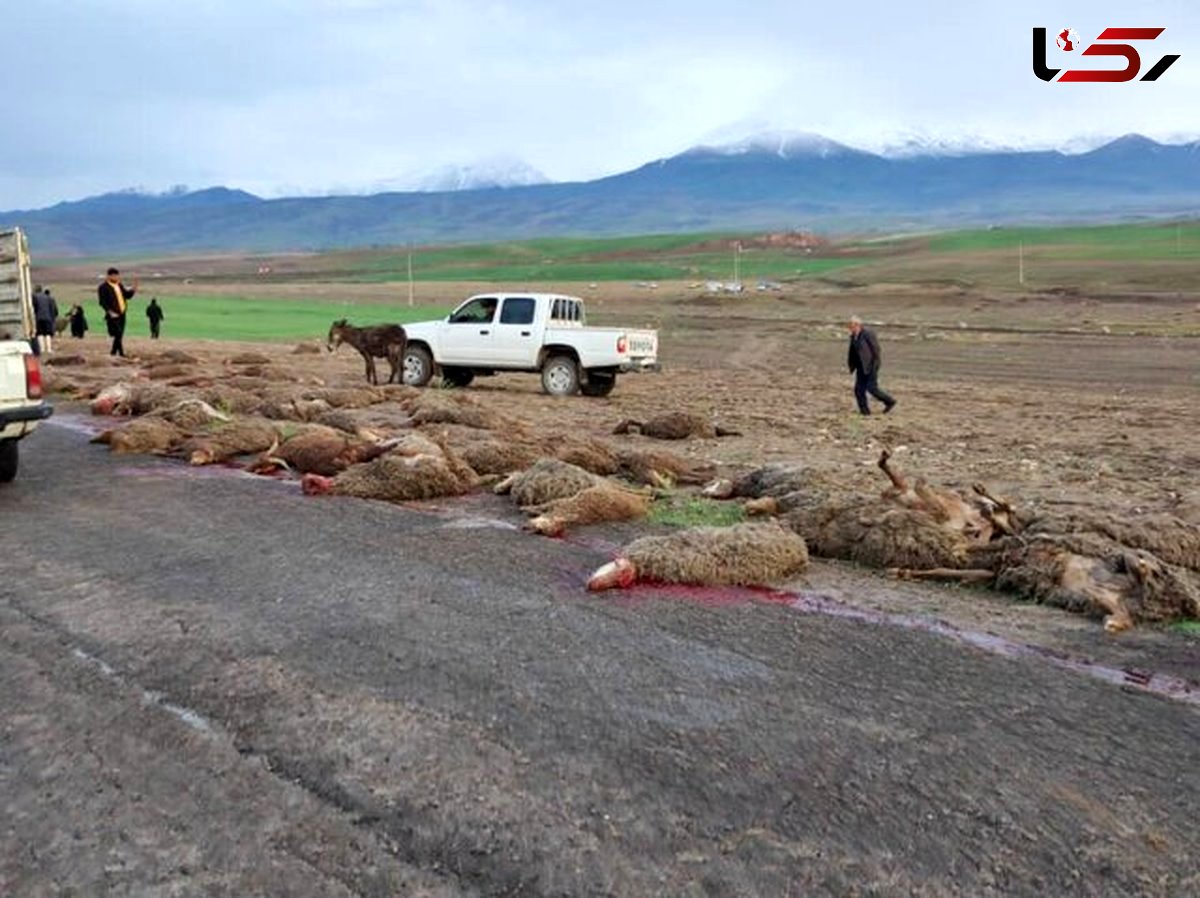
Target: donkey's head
[{"x": 337, "y": 333}]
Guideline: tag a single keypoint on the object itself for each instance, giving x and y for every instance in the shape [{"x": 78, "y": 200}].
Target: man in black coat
[
  {"x": 114, "y": 300},
  {"x": 78, "y": 321},
  {"x": 865, "y": 359},
  {"x": 155, "y": 313}
]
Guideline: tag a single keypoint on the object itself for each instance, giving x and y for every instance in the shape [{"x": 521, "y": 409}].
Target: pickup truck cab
[
  {"x": 542, "y": 332},
  {"x": 21, "y": 404}
]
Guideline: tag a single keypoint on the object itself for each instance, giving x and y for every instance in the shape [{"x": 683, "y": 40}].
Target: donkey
[{"x": 383, "y": 341}]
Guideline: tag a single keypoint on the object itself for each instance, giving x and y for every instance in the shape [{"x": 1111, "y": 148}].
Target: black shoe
[{"x": 891, "y": 405}]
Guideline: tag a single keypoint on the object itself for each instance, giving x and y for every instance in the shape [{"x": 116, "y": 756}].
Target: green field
[
  {"x": 244, "y": 318},
  {"x": 1121, "y": 260},
  {"x": 649, "y": 258}
]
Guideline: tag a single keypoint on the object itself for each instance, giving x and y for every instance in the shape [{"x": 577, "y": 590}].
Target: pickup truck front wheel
[
  {"x": 560, "y": 376},
  {"x": 418, "y": 366},
  {"x": 8, "y": 460}
]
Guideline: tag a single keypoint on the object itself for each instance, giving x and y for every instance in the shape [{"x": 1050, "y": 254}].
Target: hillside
[{"x": 808, "y": 184}]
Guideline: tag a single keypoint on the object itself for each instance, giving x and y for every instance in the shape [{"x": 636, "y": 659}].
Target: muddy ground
[{"x": 872, "y": 756}]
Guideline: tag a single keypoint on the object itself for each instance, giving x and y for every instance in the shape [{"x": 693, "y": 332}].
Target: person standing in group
[
  {"x": 865, "y": 360},
  {"x": 78, "y": 321},
  {"x": 45, "y": 311},
  {"x": 114, "y": 300},
  {"x": 155, "y": 313}
]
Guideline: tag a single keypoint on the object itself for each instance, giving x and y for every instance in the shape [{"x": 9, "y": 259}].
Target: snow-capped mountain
[
  {"x": 909, "y": 143},
  {"x": 497, "y": 171},
  {"x": 784, "y": 144}
]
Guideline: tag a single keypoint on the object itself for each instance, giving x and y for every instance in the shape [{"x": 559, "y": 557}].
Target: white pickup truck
[
  {"x": 543, "y": 332},
  {"x": 21, "y": 403}
]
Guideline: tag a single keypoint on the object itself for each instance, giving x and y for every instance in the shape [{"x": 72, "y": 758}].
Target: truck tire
[
  {"x": 457, "y": 377},
  {"x": 560, "y": 375},
  {"x": 8, "y": 460},
  {"x": 598, "y": 384},
  {"x": 418, "y": 366}
]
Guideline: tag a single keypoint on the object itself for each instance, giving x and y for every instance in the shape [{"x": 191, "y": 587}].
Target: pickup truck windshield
[{"x": 477, "y": 311}]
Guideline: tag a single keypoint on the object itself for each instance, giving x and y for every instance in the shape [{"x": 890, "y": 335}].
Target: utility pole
[
  {"x": 1021, "y": 263},
  {"x": 737, "y": 258}
]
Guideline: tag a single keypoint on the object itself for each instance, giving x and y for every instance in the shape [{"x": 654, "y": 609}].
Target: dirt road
[{"x": 211, "y": 685}]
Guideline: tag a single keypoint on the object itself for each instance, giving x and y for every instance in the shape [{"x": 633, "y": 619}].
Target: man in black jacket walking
[
  {"x": 155, "y": 313},
  {"x": 114, "y": 300},
  {"x": 865, "y": 359}
]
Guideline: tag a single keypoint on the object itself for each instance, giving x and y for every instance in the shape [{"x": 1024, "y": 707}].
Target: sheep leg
[
  {"x": 884, "y": 465},
  {"x": 505, "y": 486},
  {"x": 982, "y": 491},
  {"x": 627, "y": 426},
  {"x": 943, "y": 574}
]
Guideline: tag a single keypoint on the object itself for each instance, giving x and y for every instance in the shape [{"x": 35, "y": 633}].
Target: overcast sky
[{"x": 307, "y": 96}]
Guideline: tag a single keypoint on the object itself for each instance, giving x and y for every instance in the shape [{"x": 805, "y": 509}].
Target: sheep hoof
[
  {"x": 201, "y": 457},
  {"x": 619, "y": 574},
  {"x": 719, "y": 489},
  {"x": 315, "y": 484},
  {"x": 1117, "y": 623},
  {"x": 764, "y": 506},
  {"x": 545, "y": 525},
  {"x": 661, "y": 481}
]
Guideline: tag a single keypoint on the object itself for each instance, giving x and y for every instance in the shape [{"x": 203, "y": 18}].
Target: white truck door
[
  {"x": 517, "y": 333},
  {"x": 468, "y": 336}
]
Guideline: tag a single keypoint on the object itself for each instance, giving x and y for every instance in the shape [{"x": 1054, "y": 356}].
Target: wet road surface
[{"x": 212, "y": 685}]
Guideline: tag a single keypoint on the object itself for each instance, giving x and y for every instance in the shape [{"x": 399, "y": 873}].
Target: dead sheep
[
  {"x": 1168, "y": 537},
  {"x": 191, "y": 414},
  {"x": 662, "y": 470},
  {"x": 910, "y": 525},
  {"x": 675, "y": 426},
  {"x": 775, "y": 481},
  {"x": 743, "y": 555},
  {"x": 603, "y": 502},
  {"x": 168, "y": 371},
  {"x": 490, "y": 457},
  {"x": 980, "y": 517},
  {"x": 232, "y": 400},
  {"x": 549, "y": 479},
  {"x": 248, "y": 358},
  {"x": 772, "y": 489},
  {"x": 444, "y": 408},
  {"x": 142, "y": 436},
  {"x": 64, "y": 361},
  {"x": 223, "y": 442},
  {"x": 346, "y": 397},
  {"x": 398, "y": 477},
  {"x": 133, "y": 398},
  {"x": 319, "y": 450},
  {"x": 878, "y": 535},
  {"x": 1096, "y": 576},
  {"x": 173, "y": 356},
  {"x": 591, "y": 455},
  {"x": 338, "y": 419},
  {"x": 306, "y": 349}
]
